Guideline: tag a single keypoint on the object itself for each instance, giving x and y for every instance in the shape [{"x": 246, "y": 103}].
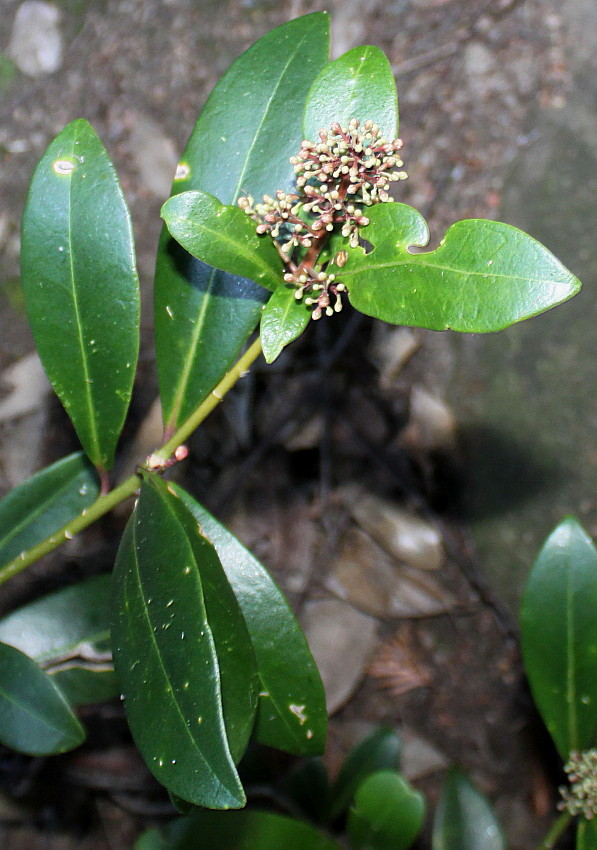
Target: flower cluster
[
  {"x": 348, "y": 169},
  {"x": 581, "y": 797}
]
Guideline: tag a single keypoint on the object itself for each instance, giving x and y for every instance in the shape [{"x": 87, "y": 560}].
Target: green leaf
[
  {"x": 45, "y": 503},
  {"x": 247, "y": 830},
  {"x": 282, "y": 321},
  {"x": 222, "y": 236},
  {"x": 68, "y": 633},
  {"x": 236, "y": 658},
  {"x": 379, "y": 751},
  {"x": 291, "y": 712},
  {"x": 176, "y": 639},
  {"x": 35, "y": 718},
  {"x": 360, "y": 84},
  {"x": 308, "y": 787},
  {"x": 248, "y": 129},
  {"x": 81, "y": 287},
  {"x": 586, "y": 834},
  {"x": 387, "y": 813},
  {"x": 559, "y": 650},
  {"x": 484, "y": 276},
  {"x": 464, "y": 819}
]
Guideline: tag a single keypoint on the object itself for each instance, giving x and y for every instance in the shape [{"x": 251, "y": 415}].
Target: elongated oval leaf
[
  {"x": 283, "y": 320},
  {"x": 248, "y": 129},
  {"x": 35, "y": 718},
  {"x": 222, "y": 236},
  {"x": 291, "y": 712},
  {"x": 464, "y": 819},
  {"x": 166, "y": 657},
  {"x": 379, "y": 751},
  {"x": 387, "y": 813},
  {"x": 45, "y": 503},
  {"x": 81, "y": 286},
  {"x": 68, "y": 634},
  {"x": 236, "y": 659},
  {"x": 248, "y": 830},
  {"x": 484, "y": 276},
  {"x": 559, "y": 649},
  {"x": 360, "y": 84}
]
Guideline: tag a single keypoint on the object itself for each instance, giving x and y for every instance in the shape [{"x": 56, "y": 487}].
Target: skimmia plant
[{"x": 284, "y": 208}]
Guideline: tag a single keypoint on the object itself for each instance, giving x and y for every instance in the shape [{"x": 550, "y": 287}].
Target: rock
[
  {"x": 154, "y": 154},
  {"x": 398, "y": 531},
  {"x": 29, "y": 384},
  {"x": 392, "y": 349},
  {"x": 432, "y": 425},
  {"x": 365, "y": 575},
  {"x": 36, "y": 44},
  {"x": 419, "y": 758},
  {"x": 341, "y": 640},
  {"x": 482, "y": 71}
]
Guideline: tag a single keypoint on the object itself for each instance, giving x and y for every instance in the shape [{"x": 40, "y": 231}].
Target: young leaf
[
  {"x": 248, "y": 129},
  {"x": 173, "y": 673},
  {"x": 35, "y": 718},
  {"x": 387, "y": 813},
  {"x": 68, "y": 633},
  {"x": 45, "y": 503},
  {"x": 282, "y": 321},
  {"x": 484, "y": 276},
  {"x": 222, "y": 236},
  {"x": 247, "y": 830},
  {"x": 291, "y": 713},
  {"x": 559, "y": 649},
  {"x": 379, "y": 751},
  {"x": 464, "y": 819},
  {"x": 586, "y": 834},
  {"x": 360, "y": 84},
  {"x": 81, "y": 287}
]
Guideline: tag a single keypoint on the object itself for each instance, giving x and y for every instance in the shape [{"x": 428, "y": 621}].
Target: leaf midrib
[
  {"x": 241, "y": 248},
  {"x": 87, "y": 380},
  {"x": 411, "y": 260}
]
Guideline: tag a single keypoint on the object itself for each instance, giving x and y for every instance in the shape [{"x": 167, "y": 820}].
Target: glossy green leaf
[
  {"x": 68, "y": 633},
  {"x": 387, "y": 813},
  {"x": 177, "y": 638},
  {"x": 379, "y": 751},
  {"x": 360, "y": 84},
  {"x": 247, "y": 830},
  {"x": 282, "y": 321},
  {"x": 237, "y": 664},
  {"x": 248, "y": 129},
  {"x": 45, "y": 503},
  {"x": 464, "y": 819},
  {"x": 586, "y": 835},
  {"x": 35, "y": 718},
  {"x": 484, "y": 276},
  {"x": 81, "y": 287},
  {"x": 222, "y": 236},
  {"x": 291, "y": 712},
  {"x": 559, "y": 650}
]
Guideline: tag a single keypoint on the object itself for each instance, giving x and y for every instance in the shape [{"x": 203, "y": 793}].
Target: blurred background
[{"x": 466, "y": 450}]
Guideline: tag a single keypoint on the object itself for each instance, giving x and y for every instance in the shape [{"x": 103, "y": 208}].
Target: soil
[{"x": 336, "y": 409}]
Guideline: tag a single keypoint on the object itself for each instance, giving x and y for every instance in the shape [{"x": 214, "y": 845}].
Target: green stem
[
  {"x": 128, "y": 488},
  {"x": 558, "y": 827}
]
